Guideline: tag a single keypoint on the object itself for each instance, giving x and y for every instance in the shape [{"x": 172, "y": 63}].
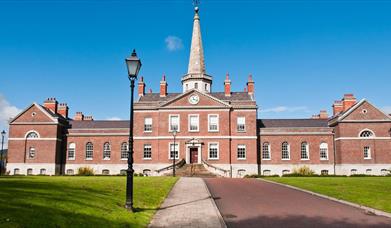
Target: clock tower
[{"x": 196, "y": 77}]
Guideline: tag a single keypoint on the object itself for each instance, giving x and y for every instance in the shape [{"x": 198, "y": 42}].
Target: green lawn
[
  {"x": 373, "y": 192},
  {"x": 79, "y": 201}
]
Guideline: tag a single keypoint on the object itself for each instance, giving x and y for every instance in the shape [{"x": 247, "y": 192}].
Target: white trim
[
  {"x": 351, "y": 110},
  {"x": 270, "y": 151},
  {"x": 191, "y": 137},
  {"x": 67, "y": 153},
  {"x": 365, "y": 121},
  {"x": 169, "y": 122},
  {"x": 358, "y": 138},
  {"x": 289, "y": 152},
  {"x": 327, "y": 148},
  {"x": 295, "y": 133},
  {"x": 307, "y": 151},
  {"x": 340, "y": 119},
  {"x": 197, "y": 109},
  {"x": 241, "y": 146},
  {"x": 32, "y": 131},
  {"x": 145, "y": 120},
  {"x": 35, "y": 139},
  {"x": 237, "y": 124},
  {"x": 366, "y": 129},
  {"x": 34, "y": 123},
  {"x": 189, "y": 122},
  {"x": 55, "y": 120},
  {"x": 169, "y": 150},
  {"x": 218, "y": 151},
  {"x": 150, "y": 145},
  {"x": 98, "y": 134},
  {"x": 193, "y": 91},
  {"x": 218, "y": 122},
  {"x": 369, "y": 153}
]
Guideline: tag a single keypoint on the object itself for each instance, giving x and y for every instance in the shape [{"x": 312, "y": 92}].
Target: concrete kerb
[
  {"x": 222, "y": 222},
  {"x": 361, "y": 207}
]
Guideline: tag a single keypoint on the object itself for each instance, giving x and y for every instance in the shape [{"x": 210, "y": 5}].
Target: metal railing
[
  {"x": 178, "y": 165},
  {"x": 215, "y": 167}
]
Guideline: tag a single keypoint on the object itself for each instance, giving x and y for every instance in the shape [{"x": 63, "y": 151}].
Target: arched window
[
  {"x": 32, "y": 135},
  {"x": 305, "y": 151},
  {"x": 89, "y": 151},
  {"x": 241, "y": 172},
  {"x": 266, "y": 172},
  {"x": 324, "y": 172},
  {"x": 70, "y": 172},
  {"x": 42, "y": 172},
  {"x": 266, "y": 151},
  {"x": 324, "y": 151},
  {"x": 71, "y": 151},
  {"x": 106, "y": 151},
  {"x": 105, "y": 172},
  {"x": 124, "y": 150},
  {"x": 30, "y": 171},
  {"x": 123, "y": 172},
  {"x": 147, "y": 172},
  {"x": 286, "y": 172},
  {"x": 32, "y": 153},
  {"x": 285, "y": 151},
  {"x": 367, "y": 134},
  {"x": 353, "y": 172},
  {"x": 16, "y": 171}
]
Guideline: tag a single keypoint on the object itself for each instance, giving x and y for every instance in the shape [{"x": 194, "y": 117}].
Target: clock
[{"x": 194, "y": 99}]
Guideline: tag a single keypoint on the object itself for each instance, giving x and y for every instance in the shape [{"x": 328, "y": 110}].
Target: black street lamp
[
  {"x": 2, "y": 151},
  {"x": 133, "y": 64},
  {"x": 174, "y": 155}
]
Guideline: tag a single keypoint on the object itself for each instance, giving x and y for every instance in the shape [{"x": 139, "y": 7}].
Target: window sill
[
  {"x": 213, "y": 131},
  {"x": 286, "y": 159},
  {"x": 106, "y": 159},
  {"x": 264, "y": 159},
  {"x": 89, "y": 159},
  {"x": 213, "y": 159},
  {"x": 241, "y": 159},
  {"x": 147, "y": 159},
  {"x": 194, "y": 131},
  {"x": 171, "y": 131},
  {"x": 242, "y": 131},
  {"x": 324, "y": 159},
  {"x": 147, "y": 131},
  {"x": 173, "y": 159},
  {"x": 124, "y": 159},
  {"x": 306, "y": 159},
  {"x": 71, "y": 159},
  {"x": 367, "y": 158}
]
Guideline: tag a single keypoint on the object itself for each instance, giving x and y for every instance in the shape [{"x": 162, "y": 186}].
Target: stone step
[{"x": 194, "y": 170}]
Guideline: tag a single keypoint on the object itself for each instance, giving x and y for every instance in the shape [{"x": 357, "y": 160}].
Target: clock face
[{"x": 194, "y": 99}]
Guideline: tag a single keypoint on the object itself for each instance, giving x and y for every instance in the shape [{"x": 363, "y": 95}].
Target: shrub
[
  {"x": 259, "y": 176},
  {"x": 85, "y": 171},
  {"x": 303, "y": 171}
]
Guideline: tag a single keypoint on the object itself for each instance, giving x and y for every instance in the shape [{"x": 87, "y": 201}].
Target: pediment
[
  {"x": 189, "y": 100},
  {"x": 34, "y": 114},
  {"x": 364, "y": 111}
]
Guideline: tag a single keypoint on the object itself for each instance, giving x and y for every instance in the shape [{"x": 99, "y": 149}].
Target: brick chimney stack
[
  {"x": 163, "y": 87},
  {"x": 250, "y": 85},
  {"x": 141, "y": 87},
  {"x": 51, "y": 104},
  {"x": 323, "y": 114},
  {"x": 227, "y": 86},
  {"x": 337, "y": 107},
  {"x": 88, "y": 118},
  {"x": 348, "y": 101},
  {"x": 79, "y": 116},
  {"x": 63, "y": 110}
]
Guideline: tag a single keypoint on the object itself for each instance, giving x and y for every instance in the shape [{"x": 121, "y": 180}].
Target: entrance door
[{"x": 193, "y": 155}]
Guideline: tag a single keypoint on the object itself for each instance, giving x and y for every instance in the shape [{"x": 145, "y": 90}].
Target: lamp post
[
  {"x": 2, "y": 151},
  {"x": 133, "y": 64},
  {"x": 174, "y": 155}
]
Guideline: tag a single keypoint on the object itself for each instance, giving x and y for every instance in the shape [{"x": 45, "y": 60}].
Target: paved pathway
[
  {"x": 255, "y": 203},
  {"x": 189, "y": 204}
]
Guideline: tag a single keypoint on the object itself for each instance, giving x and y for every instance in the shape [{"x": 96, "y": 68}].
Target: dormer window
[
  {"x": 32, "y": 135},
  {"x": 367, "y": 134}
]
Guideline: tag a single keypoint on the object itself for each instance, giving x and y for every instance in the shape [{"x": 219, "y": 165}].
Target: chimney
[
  {"x": 79, "y": 116},
  {"x": 88, "y": 118},
  {"x": 250, "y": 85},
  {"x": 163, "y": 87},
  {"x": 348, "y": 101},
  {"x": 51, "y": 104},
  {"x": 141, "y": 87},
  {"x": 227, "y": 86},
  {"x": 337, "y": 107},
  {"x": 323, "y": 115},
  {"x": 63, "y": 110}
]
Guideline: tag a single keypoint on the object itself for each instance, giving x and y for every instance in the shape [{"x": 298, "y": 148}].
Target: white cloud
[
  {"x": 114, "y": 118},
  {"x": 280, "y": 109},
  {"x": 173, "y": 43},
  {"x": 387, "y": 109},
  {"x": 7, "y": 112}
]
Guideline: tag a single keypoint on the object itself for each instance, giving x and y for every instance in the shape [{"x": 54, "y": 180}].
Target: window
[
  {"x": 368, "y": 171},
  {"x": 241, "y": 124},
  {"x": 324, "y": 172},
  {"x": 148, "y": 125},
  {"x": 42, "y": 172},
  {"x": 206, "y": 87},
  {"x": 266, "y": 151},
  {"x": 366, "y": 134},
  {"x": 324, "y": 151},
  {"x": 32, "y": 135},
  {"x": 305, "y": 151},
  {"x": 32, "y": 153},
  {"x": 213, "y": 151},
  {"x": 266, "y": 172},
  {"x": 147, "y": 172},
  {"x": 187, "y": 87},
  {"x": 106, "y": 151},
  {"x": 16, "y": 171},
  {"x": 105, "y": 172},
  {"x": 89, "y": 151},
  {"x": 124, "y": 150},
  {"x": 147, "y": 151},
  {"x": 71, "y": 151},
  {"x": 367, "y": 152},
  {"x": 29, "y": 171},
  {"x": 174, "y": 123},
  {"x": 241, "y": 172},
  {"x": 194, "y": 123},
  {"x": 196, "y": 85},
  {"x": 353, "y": 172},
  {"x": 285, "y": 172},
  {"x": 241, "y": 152},
  {"x": 384, "y": 172},
  {"x": 174, "y": 149},
  {"x": 123, "y": 172},
  {"x": 70, "y": 172},
  {"x": 285, "y": 151},
  {"x": 214, "y": 123}
]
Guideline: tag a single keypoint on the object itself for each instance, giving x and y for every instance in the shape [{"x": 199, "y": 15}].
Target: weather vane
[{"x": 196, "y": 4}]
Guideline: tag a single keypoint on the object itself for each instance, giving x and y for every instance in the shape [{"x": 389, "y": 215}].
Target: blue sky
[{"x": 303, "y": 54}]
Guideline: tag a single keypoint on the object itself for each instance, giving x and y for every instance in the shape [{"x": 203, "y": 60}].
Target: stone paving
[{"x": 189, "y": 204}]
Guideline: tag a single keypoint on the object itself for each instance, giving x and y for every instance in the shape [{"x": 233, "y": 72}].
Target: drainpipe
[
  {"x": 230, "y": 144},
  {"x": 335, "y": 151}
]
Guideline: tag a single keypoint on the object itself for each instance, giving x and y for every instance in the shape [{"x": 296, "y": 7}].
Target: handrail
[
  {"x": 214, "y": 167},
  {"x": 180, "y": 164}
]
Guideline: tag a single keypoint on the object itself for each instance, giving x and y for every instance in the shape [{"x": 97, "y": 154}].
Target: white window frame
[
  {"x": 145, "y": 146},
  {"x": 289, "y": 152},
  {"x": 74, "y": 151},
  {"x": 169, "y": 122},
  {"x": 32, "y": 131},
  {"x": 198, "y": 122},
  {"x": 307, "y": 151},
  {"x": 369, "y": 153},
  {"x": 218, "y": 150},
  {"x": 324, "y": 146},
  {"x": 237, "y": 124},
  {"x": 32, "y": 149},
  {"x": 92, "y": 157},
  {"x": 169, "y": 150},
  {"x": 369, "y": 130},
  {"x": 218, "y": 122},
  {"x": 241, "y": 146},
  {"x": 104, "y": 151},
  {"x": 127, "y": 151},
  {"x": 145, "y": 124},
  {"x": 269, "y": 151}
]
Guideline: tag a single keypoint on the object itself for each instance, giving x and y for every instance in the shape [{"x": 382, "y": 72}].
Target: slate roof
[
  {"x": 99, "y": 124},
  {"x": 287, "y": 123},
  {"x": 235, "y": 96}
]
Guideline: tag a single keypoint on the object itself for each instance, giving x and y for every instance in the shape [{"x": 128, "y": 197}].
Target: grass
[
  {"x": 79, "y": 201},
  {"x": 374, "y": 192}
]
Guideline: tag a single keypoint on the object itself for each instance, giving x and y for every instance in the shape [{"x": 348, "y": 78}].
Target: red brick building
[{"x": 220, "y": 130}]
